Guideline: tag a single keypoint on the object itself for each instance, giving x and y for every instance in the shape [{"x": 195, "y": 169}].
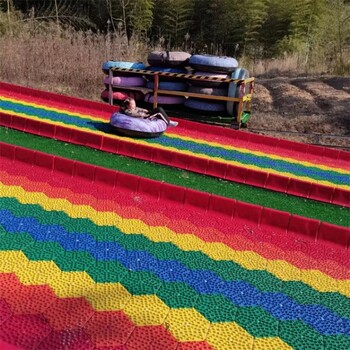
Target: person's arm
[
  {"x": 143, "y": 112},
  {"x": 137, "y": 112}
]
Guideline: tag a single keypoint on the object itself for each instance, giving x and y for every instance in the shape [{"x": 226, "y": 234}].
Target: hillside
[{"x": 318, "y": 105}]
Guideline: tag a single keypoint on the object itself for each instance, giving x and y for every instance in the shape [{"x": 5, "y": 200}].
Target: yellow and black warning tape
[{"x": 181, "y": 75}]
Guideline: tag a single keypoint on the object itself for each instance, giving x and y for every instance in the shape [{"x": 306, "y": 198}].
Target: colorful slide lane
[
  {"x": 297, "y": 169},
  {"x": 88, "y": 263}
]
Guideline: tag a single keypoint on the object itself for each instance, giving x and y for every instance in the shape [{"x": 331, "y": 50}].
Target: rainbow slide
[
  {"x": 303, "y": 170},
  {"x": 94, "y": 258}
]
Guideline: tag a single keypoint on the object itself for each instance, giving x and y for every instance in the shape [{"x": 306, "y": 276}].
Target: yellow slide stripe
[
  {"x": 260, "y": 154},
  {"x": 51, "y": 109},
  {"x": 173, "y": 149},
  {"x": 188, "y": 242},
  {"x": 143, "y": 310},
  {"x": 175, "y": 136}
]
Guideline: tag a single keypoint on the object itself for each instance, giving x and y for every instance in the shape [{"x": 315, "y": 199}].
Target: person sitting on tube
[{"x": 129, "y": 108}]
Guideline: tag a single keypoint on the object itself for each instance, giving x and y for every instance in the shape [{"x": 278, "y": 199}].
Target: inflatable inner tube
[
  {"x": 205, "y": 106},
  {"x": 168, "y": 85},
  {"x": 205, "y": 83},
  {"x": 175, "y": 70},
  {"x": 122, "y": 95},
  {"x": 167, "y": 70},
  {"x": 215, "y": 64},
  {"x": 125, "y": 81},
  {"x": 124, "y": 65},
  {"x": 233, "y": 90},
  {"x": 208, "y": 91},
  {"x": 168, "y": 58},
  {"x": 165, "y": 99},
  {"x": 137, "y": 127}
]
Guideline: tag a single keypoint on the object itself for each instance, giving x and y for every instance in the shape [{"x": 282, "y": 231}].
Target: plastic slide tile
[
  {"x": 248, "y": 212},
  {"x": 277, "y": 183},
  {"x": 181, "y": 161},
  {"x": 86, "y": 171},
  {"x": 162, "y": 156},
  {"x": 106, "y": 176},
  {"x": 150, "y": 186},
  {"x": 299, "y": 188},
  {"x": 110, "y": 145},
  {"x": 64, "y": 165},
  {"x": 236, "y": 174},
  {"x": 321, "y": 193},
  {"x": 18, "y": 123},
  {"x": 32, "y": 126},
  {"x": 47, "y": 130},
  {"x": 126, "y": 149},
  {"x": 275, "y": 219},
  {"x": 5, "y": 119},
  {"x": 217, "y": 169},
  {"x": 222, "y": 205},
  {"x": 341, "y": 197},
  {"x": 94, "y": 141},
  {"x": 307, "y": 227},
  {"x": 256, "y": 178},
  {"x": 173, "y": 193},
  {"x": 64, "y": 134},
  {"x": 44, "y": 160},
  {"x": 128, "y": 181},
  {"x": 7, "y": 151},
  {"x": 197, "y": 199},
  {"x": 24, "y": 155},
  {"x": 199, "y": 165},
  {"x": 332, "y": 233},
  {"x": 142, "y": 152}
]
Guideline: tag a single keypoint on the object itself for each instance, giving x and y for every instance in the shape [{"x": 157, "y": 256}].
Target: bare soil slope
[{"x": 303, "y": 105}]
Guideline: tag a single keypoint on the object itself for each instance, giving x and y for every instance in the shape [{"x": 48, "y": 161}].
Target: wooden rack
[{"x": 244, "y": 100}]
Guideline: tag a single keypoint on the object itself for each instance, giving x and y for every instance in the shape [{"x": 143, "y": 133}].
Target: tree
[
  {"x": 211, "y": 27},
  {"x": 336, "y": 29},
  {"x": 306, "y": 20},
  {"x": 176, "y": 22},
  {"x": 133, "y": 17},
  {"x": 252, "y": 15},
  {"x": 62, "y": 12},
  {"x": 140, "y": 17},
  {"x": 275, "y": 30}
]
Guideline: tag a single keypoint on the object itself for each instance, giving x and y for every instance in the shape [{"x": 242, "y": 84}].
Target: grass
[
  {"x": 304, "y": 207},
  {"x": 67, "y": 61}
]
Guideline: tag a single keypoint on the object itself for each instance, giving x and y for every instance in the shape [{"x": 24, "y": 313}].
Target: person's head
[{"x": 129, "y": 103}]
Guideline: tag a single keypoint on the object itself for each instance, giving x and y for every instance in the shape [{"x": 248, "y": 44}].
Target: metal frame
[{"x": 242, "y": 83}]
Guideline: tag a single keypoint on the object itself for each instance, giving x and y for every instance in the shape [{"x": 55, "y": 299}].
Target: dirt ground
[{"x": 319, "y": 105}]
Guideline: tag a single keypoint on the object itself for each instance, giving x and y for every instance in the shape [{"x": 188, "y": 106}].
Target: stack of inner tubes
[
  {"x": 124, "y": 84},
  {"x": 233, "y": 91},
  {"x": 135, "y": 84},
  {"x": 170, "y": 62},
  {"x": 220, "y": 67}
]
